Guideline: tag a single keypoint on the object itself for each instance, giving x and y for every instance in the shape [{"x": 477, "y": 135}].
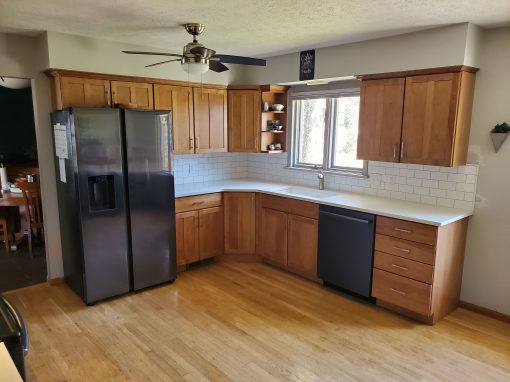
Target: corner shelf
[{"x": 273, "y": 94}]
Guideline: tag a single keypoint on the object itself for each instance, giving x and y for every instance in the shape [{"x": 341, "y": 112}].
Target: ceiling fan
[{"x": 197, "y": 59}]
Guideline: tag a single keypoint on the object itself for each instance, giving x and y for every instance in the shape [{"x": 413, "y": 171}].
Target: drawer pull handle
[
  {"x": 400, "y": 267},
  {"x": 402, "y": 230},
  {"x": 401, "y": 249},
  {"x": 398, "y": 291}
]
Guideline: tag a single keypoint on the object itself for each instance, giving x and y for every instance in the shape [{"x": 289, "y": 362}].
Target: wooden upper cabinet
[
  {"x": 84, "y": 92},
  {"x": 428, "y": 112},
  {"x": 239, "y": 209},
  {"x": 429, "y": 119},
  {"x": 210, "y": 232},
  {"x": 244, "y": 107},
  {"x": 272, "y": 236},
  {"x": 178, "y": 99},
  {"x": 132, "y": 95},
  {"x": 302, "y": 237},
  {"x": 380, "y": 119},
  {"x": 210, "y": 113}
]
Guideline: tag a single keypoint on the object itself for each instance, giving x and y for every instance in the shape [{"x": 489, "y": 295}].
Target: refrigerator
[{"x": 116, "y": 200}]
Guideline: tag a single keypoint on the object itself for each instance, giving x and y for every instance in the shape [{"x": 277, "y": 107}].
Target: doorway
[{"x": 22, "y": 249}]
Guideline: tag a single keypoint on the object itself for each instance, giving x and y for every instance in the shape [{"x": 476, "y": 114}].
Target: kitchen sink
[{"x": 310, "y": 192}]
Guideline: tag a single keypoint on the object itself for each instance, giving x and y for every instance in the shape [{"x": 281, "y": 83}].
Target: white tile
[
  {"x": 422, "y": 190},
  {"x": 438, "y": 193},
  {"x": 464, "y": 205},
  {"x": 405, "y": 188},
  {"x": 438, "y": 176},
  {"x": 412, "y": 197},
  {"x": 428, "y": 200},
  {"x": 414, "y": 181},
  {"x": 406, "y": 172},
  {"x": 469, "y": 196},
  {"x": 447, "y": 185},
  {"x": 445, "y": 202},
  {"x": 460, "y": 178},
  {"x": 452, "y": 170},
  {"x": 471, "y": 179},
  {"x": 466, "y": 187},
  {"x": 458, "y": 195},
  {"x": 430, "y": 183},
  {"x": 398, "y": 195},
  {"x": 422, "y": 174}
]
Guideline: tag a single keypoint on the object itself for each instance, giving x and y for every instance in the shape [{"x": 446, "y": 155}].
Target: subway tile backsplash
[
  {"x": 441, "y": 186},
  {"x": 209, "y": 167}
]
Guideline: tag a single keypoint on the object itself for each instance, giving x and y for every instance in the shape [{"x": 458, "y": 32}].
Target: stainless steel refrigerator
[{"x": 116, "y": 202}]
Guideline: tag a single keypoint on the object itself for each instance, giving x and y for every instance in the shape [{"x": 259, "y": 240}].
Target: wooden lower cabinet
[
  {"x": 210, "y": 232},
  {"x": 187, "y": 239},
  {"x": 272, "y": 237},
  {"x": 199, "y": 228},
  {"x": 288, "y": 234},
  {"x": 239, "y": 222},
  {"x": 302, "y": 237},
  {"x": 418, "y": 267}
]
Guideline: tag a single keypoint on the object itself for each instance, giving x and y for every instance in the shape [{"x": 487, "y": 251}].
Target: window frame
[{"x": 329, "y": 133}]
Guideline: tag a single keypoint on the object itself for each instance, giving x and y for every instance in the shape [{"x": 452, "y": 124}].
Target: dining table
[{"x": 13, "y": 199}]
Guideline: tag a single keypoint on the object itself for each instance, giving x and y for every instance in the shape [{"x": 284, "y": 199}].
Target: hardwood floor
[{"x": 250, "y": 322}]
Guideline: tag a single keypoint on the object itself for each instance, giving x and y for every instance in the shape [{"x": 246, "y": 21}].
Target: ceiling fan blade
[
  {"x": 202, "y": 51},
  {"x": 217, "y": 66},
  {"x": 152, "y": 53},
  {"x": 228, "y": 59},
  {"x": 163, "y": 62}
]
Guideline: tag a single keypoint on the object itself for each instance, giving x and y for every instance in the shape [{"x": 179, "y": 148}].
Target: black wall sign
[{"x": 307, "y": 65}]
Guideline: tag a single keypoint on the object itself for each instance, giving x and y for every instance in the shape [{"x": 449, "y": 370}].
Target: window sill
[{"x": 353, "y": 174}]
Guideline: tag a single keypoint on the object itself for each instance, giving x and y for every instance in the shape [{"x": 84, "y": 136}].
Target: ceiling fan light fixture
[{"x": 195, "y": 68}]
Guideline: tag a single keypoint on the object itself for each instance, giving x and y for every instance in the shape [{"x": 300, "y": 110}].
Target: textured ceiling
[{"x": 248, "y": 27}]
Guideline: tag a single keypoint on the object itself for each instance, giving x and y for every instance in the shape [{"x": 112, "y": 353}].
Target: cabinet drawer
[
  {"x": 423, "y": 253},
  {"x": 404, "y": 229},
  {"x": 401, "y": 291},
  {"x": 292, "y": 206},
  {"x": 192, "y": 203},
  {"x": 404, "y": 267}
]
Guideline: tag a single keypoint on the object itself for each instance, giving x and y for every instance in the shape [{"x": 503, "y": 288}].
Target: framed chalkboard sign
[{"x": 307, "y": 65}]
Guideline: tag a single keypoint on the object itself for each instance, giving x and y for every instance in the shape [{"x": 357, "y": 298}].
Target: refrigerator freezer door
[
  {"x": 101, "y": 185},
  {"x": 151, "y": 196}
]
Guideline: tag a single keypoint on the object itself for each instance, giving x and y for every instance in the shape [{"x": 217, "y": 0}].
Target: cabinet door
[
  {"x": 85, "y": 92},
  {"x": 244, "y": 120},
  {"x": 179, "y": 99},
  {"x": 273, "y": 235},
  {"x": 380, "y": 119},
  {"x": 239, "y": 208},
  {"x": 211, "y": 232},
  {"x": 302, "y": 245},
  {"x": 429, "y": 119},
  {"x": 187, "y": 240},
  {"x": 132, "y": 95},
  {"x": 210, "y": 111}
]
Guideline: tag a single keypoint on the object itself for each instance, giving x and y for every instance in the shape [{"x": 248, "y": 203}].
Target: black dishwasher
[{"x": 346, "y": 249}]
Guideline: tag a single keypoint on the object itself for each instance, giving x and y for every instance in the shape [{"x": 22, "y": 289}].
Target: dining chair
[
  {"x": 4, "y": 234},
  {"x": 33, "y": 210}
]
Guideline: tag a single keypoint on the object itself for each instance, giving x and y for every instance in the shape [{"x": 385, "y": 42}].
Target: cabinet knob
[{"x": 402, "y": 150}]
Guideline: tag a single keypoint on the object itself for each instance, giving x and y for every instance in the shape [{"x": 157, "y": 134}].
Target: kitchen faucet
[{"x": 320, "y": 176}]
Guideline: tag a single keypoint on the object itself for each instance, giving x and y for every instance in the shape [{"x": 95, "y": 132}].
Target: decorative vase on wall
[{"x": 498, "y": 139}]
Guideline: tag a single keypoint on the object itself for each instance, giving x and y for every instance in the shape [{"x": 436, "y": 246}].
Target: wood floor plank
[{"x": 250, "y": 322}]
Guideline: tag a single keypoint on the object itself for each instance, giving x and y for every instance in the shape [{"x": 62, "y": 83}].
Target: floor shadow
[{"x": 18, "y": 270}]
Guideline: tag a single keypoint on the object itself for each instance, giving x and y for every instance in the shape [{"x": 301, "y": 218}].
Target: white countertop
[{"x": 393, "y": 208}]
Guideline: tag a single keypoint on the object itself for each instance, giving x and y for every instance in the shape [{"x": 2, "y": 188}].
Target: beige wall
[
  {"x": 94, "y": 55},
  {"x": 486, "y": 279},
  {"x": 425, "y": 49},
  {"x": 26, "y": 57}
]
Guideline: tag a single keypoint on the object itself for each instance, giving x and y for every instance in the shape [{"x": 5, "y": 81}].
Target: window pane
[
  {"x": 312, "y": 125},
  {"x": 346, "y": 133}
]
